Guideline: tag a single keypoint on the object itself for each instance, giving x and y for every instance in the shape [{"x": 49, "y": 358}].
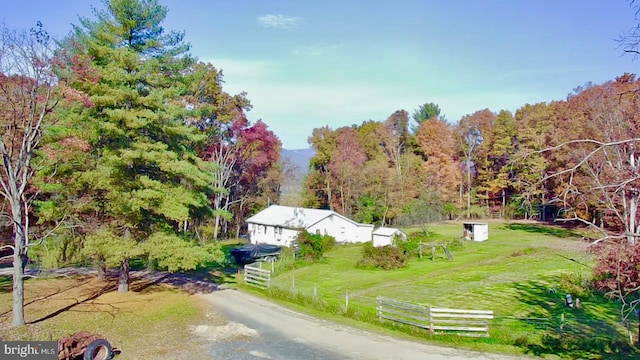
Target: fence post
[
  {"x": 562, "y": 324},
  {"x": 430, "y": 323},
  {"x": 272, "y": 265},
  {"x": 293, "y": 282},
  {"x": 315, "y": 290},
  {"x": 347, "y": 301}
]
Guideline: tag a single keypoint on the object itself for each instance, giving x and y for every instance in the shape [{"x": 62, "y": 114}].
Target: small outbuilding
[
  {"x": 383, "y": 236},
  {"x": 474, "y": 231}
]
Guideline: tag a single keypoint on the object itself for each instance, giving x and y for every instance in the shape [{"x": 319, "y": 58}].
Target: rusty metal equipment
[{"x": 84, "y": 345}]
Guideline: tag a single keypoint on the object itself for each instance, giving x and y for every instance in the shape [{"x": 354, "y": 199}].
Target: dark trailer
[{"x": 249, "y": 253}]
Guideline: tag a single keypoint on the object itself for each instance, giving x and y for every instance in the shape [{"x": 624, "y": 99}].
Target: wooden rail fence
[
  {"x": 436, "y": 320},
  {"x": 254, "y": 275}
]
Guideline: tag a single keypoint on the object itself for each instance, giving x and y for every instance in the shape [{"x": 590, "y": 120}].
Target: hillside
[
  {"x": 291, "y": 188},
  {"x": 299, "y": 161},
  {"x": 300, "y": 158}
]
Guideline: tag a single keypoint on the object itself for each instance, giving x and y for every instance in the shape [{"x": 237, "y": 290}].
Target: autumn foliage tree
[
  {"x": 29, "y": 94},
  {"x": 598, "y": 165},
  {"x": 346, "y": 165},
  {"x": 591, "y": 171},
  {"x": 469, "y": 134},
  {"x": 435, "y": 138},
  {"x": 534, "y": 123},
  {"x": 258, "y": 171}
]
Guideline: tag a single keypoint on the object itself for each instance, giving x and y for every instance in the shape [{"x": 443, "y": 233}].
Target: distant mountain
[
  {"x": 292, "y": 187},
  {"x": 300, "y": 158}
]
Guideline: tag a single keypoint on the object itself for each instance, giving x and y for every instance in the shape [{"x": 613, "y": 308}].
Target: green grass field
[{"x": 522, "y": 273}]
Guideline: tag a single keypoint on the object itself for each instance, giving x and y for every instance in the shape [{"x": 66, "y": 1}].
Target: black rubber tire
[{"x": 99, "y": 349}]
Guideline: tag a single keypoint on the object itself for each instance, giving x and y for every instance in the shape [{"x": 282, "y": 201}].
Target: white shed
[
  {"x": 474, "y": 231},
  {"x": 383, "y": 236}
]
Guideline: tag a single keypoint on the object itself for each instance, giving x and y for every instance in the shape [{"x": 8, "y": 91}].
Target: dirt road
[{"x": 258, "y": 329}]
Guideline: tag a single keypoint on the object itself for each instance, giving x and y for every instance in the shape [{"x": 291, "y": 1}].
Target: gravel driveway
[{"x": 258, "y": 329}]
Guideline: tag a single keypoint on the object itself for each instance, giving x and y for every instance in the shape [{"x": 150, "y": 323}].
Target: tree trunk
[
  {"x": 18, "y": 287},
  {"x": 633, "y": 203},
  {"x": 468, "y": 190},
  {"x": 19, "y": 264},
  {"x": 488, "y": 207},
  {"x": 18, "y": 290},
  {"x": 123, "y": 277},
  {"x": 102, "y": 268},
  {"x": 342, "y": 199},
  {"x": 504, "y": 204},
  {"x": 216, "y": 226},
  {"x": 633, "y": 212}
]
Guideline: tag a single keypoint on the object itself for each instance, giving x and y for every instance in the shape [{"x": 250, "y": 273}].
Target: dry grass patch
[{"x": 150, "y": 322}]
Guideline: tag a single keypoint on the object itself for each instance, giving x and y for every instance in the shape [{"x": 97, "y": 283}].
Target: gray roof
[
  {"x": 293, "y": 217},
  {"x": 386, "y": 231}
]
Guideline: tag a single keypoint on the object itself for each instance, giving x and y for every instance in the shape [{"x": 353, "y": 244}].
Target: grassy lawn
[
  {"x": 152, "y": 321},
  {"x": 149, "y": 322},
  {"x": 522, "y": 273}
]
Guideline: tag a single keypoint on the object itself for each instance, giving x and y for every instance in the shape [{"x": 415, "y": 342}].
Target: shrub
[
  {"x": 451, "y": 210},
  {"x": 522, "y": 341},
  {"x": 476, "y": 211},
  {"x": 411, "y": 245},
  {"x": 386, "y": 257},
  {"x": 314, "y": 246},
  {"x": 575, "y": 284}
]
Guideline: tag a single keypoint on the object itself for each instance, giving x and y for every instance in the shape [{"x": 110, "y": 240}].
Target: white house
[
  {"x": 383, "y": 236},
  {"x": 475, "y": 231},
  {"x": 279, "y": 225}
]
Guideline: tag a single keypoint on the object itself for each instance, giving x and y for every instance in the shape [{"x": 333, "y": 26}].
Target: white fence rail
[
  {"x": 437, "y": 320},
  {"x": 462, "y": 322},
  {"x": 254, "y": 275}
]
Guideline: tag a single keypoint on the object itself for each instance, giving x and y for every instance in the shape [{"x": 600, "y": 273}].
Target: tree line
[
  {"x": 120, "y": 144},
  {"x": 577, "y": 156},
  {"x": 575, "y": 160}
]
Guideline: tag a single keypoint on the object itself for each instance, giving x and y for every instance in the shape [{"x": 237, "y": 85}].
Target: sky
[{"x": 308, "y": 64}]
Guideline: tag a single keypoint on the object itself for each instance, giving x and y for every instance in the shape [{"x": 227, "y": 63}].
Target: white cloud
[{"x": 279, "y": 21}]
